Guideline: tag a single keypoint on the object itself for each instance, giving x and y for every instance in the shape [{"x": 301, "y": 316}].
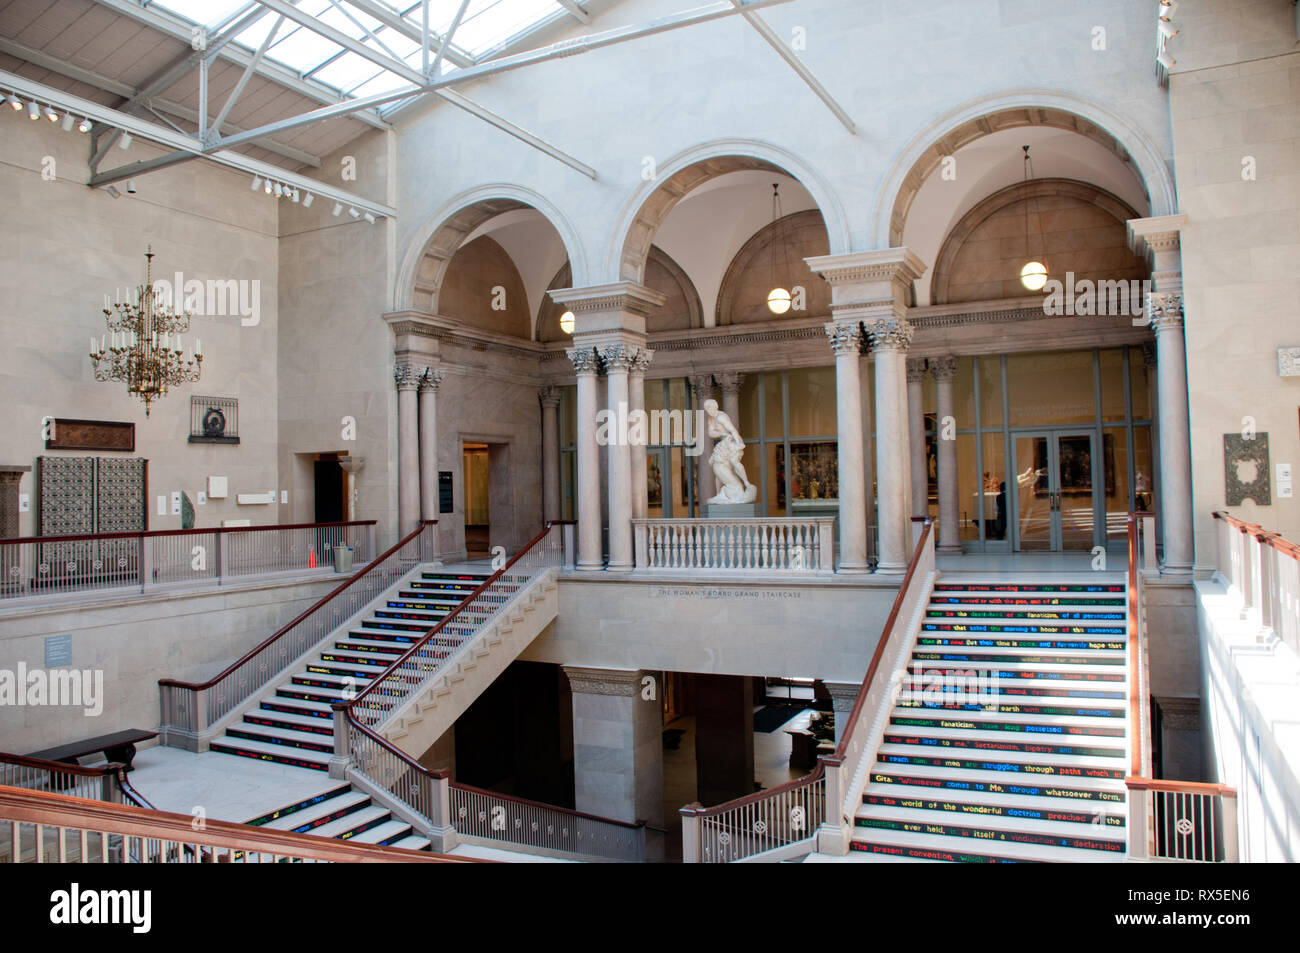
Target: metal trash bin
[{"x": 343, "y": 558}]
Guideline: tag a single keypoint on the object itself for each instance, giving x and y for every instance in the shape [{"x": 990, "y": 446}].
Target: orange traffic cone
[{"x": 311, "y": 557}]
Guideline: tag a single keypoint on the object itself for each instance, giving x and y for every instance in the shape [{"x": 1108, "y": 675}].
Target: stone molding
[
  {"x": 883, "y": 264},
  {"x": 624, "y": 683},
  {"x": 629, "y": 296},
  {"x": 1158, "y": 234}
]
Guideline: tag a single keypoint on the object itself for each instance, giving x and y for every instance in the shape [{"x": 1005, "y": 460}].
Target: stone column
[
  {"x": 408, "y": 448},
  {"x": 550, "y": 400},
  {"x": 1153, "y": 398},
  {"x": 843, "y": 697},
  {"x": 429, "y": 382},
  {"x": 868, "y": 452},
  {"x": 636, "y": 405},
  {"x": 702, "y": 388},
  {"x": 1159, "y": 239},
  {"x": 730, "y": 383},
  {"x": 920, "y": 482},
  {"x": 590, "y": 557},
  {"x": 724, "y": 737},
  {"x": 890, "y": 338},
  {"x": 352, "y": 466},
  {"x": 618, "y": 762},
  {"x": 1166, "y": 314},
  {"x": 846, "y": 342},
  {"x": 943, "y": 369},
  {"x": 875, "y": 288},
  {"x": 618, "y": 360}
]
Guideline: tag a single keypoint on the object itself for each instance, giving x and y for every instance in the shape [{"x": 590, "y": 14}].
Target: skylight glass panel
[
  {"x": 490, "y": 22},
  {"x": 302, "y": 49},
  {"x": 206, "y": 12}
]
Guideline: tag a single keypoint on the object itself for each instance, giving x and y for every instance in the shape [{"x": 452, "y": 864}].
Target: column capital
[
  {"x": 431, "y": 378},
  {"x": 943, "y": 368},
  {"x": 406, "y": 376},
  {"x": 641, "y": 362},
  {"x": 617, "y": 358},
  {"x": 701, "y": 385},
  {"x": 1165, "y": 310},
  {"x": 1161, "y": 233},
  {"x": 1149, "y": 354},
  {"x": 915, "y": 370},
  {"x": 549, "y": 395},
  {"x": 844, "y": 337},
  {"x": 867, "y": 266},
  {"x": 604, "y": 681},
  {"x": 890, "y": 334},
  {"x": 584, "y": 359},
  {"x": 730, "y": 382}
]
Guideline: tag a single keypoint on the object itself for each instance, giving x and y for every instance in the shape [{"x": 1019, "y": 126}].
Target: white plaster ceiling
[{"x": 994, "y": 162}]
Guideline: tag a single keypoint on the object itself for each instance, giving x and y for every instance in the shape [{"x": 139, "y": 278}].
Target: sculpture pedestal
[{"x": 730, "y": 511}]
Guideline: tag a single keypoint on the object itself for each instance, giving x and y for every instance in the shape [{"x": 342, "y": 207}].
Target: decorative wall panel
[
  {"x": 1246, "y": 469},
  {"x": 67, "y": 495},
  {"x": 119, "y": 495}
]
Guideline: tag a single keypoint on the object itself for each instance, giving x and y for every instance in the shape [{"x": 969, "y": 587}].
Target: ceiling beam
[
  {"x": 403, "y": 26},
  {"x": 126, "y": 91},
  {"x": 579, "y": 14},
  {"x": 339, "y": 38},
  {"x": 571, "y": 47},
  {"x": 796, "y": 64},
  {"x": 181, "y": 142},
  {"x": 432, "y": 71},
  {"x": 140, "y": 167},
  {"x": 249, "y": 70},
  {"x": 180, "y": 29},
  {"x": 474, "y": 109}
]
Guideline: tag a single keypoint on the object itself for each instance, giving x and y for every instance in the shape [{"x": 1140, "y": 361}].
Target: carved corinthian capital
[
  {"x": 584, "y": 360},
  {"x": 890, "y": 334},
  {"x": 549, "y": 396},
  {"x": 1165, "y": 310},
  {"x": 844, "y": 338},
  {"x": 617, "y": 358},
  {"x": 915, "y": 370},
  {"x": 943, "y": 368},
  {"x": 431, "y": 378},
  {"x": 405, "y": 376}
]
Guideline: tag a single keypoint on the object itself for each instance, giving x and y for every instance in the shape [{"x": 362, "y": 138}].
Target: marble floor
[{"x": 227, "y": 788}]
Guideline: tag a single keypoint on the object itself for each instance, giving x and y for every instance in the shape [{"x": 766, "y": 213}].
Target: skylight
[{"x": 485, "y": 26}]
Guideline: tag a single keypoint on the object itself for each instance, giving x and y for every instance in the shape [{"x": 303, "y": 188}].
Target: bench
[{"x": 118, "y": 746}]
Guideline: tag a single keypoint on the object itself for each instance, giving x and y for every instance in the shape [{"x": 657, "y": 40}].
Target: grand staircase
[
  {"x": 293, "y": 723},
  {"x": 344, "y": 813},
  {"x": 1008, "y": 741}
]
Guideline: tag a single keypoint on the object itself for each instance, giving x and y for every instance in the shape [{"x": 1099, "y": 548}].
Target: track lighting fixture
[
  {"x": 338, "y": 208},
  {"x": 125, "y": 141},
  {"x": 307, "y": 200}
]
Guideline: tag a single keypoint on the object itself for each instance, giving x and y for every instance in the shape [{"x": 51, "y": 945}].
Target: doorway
[
  {"x": 1055, "y": 490},
  {"x": 330, "y": 489},
  {"x": 478, "y": 497}
]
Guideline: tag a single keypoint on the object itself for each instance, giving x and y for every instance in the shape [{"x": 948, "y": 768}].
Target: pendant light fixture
[
  {"x": 1034, "y": 274},
  {"x": 778, "y": 299}
]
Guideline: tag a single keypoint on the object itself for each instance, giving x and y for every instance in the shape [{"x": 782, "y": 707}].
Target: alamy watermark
[
  {"x": 60, "y": 687},
  {"x": 950, "y": 686},
  {"x": 215, "y": 297},
  {"x": 1089, "y": 298},
  {"x": 640, "y": 428}
]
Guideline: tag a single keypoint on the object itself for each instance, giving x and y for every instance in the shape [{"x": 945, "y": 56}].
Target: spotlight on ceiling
[
  {"x": 1166, "y": 29},
  {"x": 338, "y": 208},
  {"x": 266, "y": 186},
  {"x": 33, "y": 111},
  {"x": 1165, "y": 60},
  {"x": 307, "y": 200},
  {"x": 370, "y": 218},
  {"x": 16, "y": 104},
  {"x": 293, "y": 194},
  {"x": 354, "y": 213},
  {"x": 279, "y": 190},
  {"x": 257, "y": 183},
  {"x": 51, "y": 114},
  {"x": 125, "y": 141},
  {"x": 112, "y": 190},
  {"x": 130, "y": 186},
  {"x": 67, "y": 122},
  {"x": 85, "y": 125}
]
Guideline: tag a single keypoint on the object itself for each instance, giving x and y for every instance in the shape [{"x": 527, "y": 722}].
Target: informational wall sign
[{"x": 58, "y": 650}]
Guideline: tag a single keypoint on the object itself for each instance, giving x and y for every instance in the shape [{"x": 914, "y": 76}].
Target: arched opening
[{"x": 774, "y": 258}]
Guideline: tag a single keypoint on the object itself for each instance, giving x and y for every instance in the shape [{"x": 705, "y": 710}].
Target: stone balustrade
[{"x": 746, "y": 545}]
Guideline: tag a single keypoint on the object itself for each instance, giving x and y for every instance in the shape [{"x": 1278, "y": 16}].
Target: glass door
[{"x": 1054, "y": 491}]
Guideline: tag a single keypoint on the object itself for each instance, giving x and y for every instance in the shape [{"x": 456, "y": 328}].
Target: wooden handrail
[
  {"x": 372, "y": 566},
  {"x": 149, "y": 534},
  {"x": 843, "y": 746},
  {"x": 442, "y": 623},
  {"x": 61, "y": 810},
  {"x": 63, "y": 767},
  {"x": 1179, "y": 787},
  {"x": 1265, "y": 537}
]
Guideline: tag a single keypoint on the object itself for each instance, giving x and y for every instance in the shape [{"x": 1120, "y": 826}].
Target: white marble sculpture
[{"x": 733, "y": 483}]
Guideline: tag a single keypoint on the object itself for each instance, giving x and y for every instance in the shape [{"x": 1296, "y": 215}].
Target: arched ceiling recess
[
  {"x": 762, "y": 261},
  {"x": 1119, "y": 263}
]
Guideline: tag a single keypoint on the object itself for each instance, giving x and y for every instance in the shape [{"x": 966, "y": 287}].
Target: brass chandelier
[{"x": 143, "y": 346}]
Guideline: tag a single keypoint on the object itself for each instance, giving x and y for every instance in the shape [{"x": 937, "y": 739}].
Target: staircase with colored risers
[
  {"x": 1008, "y": 740},
  {"x": 344, "y": 813},
  {"x": 292, "y": 722}
]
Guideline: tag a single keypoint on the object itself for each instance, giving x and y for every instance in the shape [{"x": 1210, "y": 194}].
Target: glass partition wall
[{"x": 1053, "y": 448}]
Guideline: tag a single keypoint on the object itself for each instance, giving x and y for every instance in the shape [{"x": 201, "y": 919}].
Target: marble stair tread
[
  {"x": 982, "y": 714},
  {"x": 912, "y": 792},
  {"x": 352, "y": 821},
  {"x": 413, "y": 842},
  {"x": 352, "y": 800},
  {"x": 1002, "y": 850},
  {"x": 286, "y": 734},
  {"x": 387, "y": 831},
  {"x": 941, "y": 773},
  {"x": 262, "y": 748},
  {"x": 1001, "y": 823},
  {"x": 1022, "y": 758}
]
